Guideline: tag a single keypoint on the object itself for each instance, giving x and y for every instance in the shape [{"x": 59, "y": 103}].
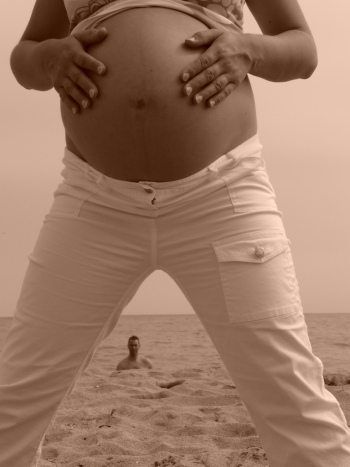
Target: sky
[{"x": 303, "y": 125}]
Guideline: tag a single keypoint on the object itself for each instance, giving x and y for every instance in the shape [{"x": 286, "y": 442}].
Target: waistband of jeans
[{"x": 250, "y": 148}]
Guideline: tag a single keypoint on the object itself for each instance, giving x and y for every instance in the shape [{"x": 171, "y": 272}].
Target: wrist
[
  {"x": 253, "y": 51},
  {"x": 281, "y": 57},
  {"x": 43, "y": 55}
]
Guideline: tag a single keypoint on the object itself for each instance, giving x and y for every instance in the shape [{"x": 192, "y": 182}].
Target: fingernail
[
  {"x": 198, "y": 99},
  {"x": 74, "y": 110},
  {"x": 188, "y": 90},
  {"x": 185, "y": 76},
  {"x": 85, "y": 103},
  {"x": 101, "y": 68},
  {"x": 92, "y": 93},
  {"x": 211, "y": 103}
]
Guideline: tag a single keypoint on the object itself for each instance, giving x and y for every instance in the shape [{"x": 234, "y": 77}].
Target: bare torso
[
  {"x": 128, "y": 364},
  {"x": 142, "y": 126}
]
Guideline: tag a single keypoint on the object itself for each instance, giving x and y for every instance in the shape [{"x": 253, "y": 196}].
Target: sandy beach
[{"x": 184, "y": 412}]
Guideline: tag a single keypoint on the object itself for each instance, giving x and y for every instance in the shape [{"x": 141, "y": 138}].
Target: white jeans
[{"x": 220, "y": 236}]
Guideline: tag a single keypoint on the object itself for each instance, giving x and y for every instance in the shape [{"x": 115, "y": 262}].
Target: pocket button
[{"x": 259, "y": 252}]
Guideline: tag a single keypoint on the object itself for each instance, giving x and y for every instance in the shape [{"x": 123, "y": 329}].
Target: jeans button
[
  {"x": 148, "y": 189},
  {"x": 259, "y": 252}
]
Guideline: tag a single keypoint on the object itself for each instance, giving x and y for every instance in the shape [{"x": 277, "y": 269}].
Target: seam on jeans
[
  {"x": 276, "y": 313},
  {"x": 225, "y": 185},
  {"x": 182, "y": 288},
  {"x": 229, "y": 192},
  {"x": 221, "y": 285},
  {"x": 154, "y": 243},
  {"x": 97, "y": 189}
]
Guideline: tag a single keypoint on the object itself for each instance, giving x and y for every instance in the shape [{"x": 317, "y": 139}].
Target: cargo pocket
[{"x": 257, "y": 276}]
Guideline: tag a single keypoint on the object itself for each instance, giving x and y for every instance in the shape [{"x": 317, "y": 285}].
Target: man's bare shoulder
[
  {"x": 147, "y": 362},
  {"x": 123, "y": 364},
  {"x": 126, "y": 364}
]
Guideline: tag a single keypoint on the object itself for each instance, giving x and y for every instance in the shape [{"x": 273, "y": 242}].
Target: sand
[{"x": 131, "y": 418}]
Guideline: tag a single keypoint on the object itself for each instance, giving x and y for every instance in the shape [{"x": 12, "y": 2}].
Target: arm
[
  {"x": 286, "y": 50},
  {"x": 46, "y": 57},
  {"x": 48, "y": 21},
  {"x": 120, "y": 365},
  {"x": 147, "y": 362}
]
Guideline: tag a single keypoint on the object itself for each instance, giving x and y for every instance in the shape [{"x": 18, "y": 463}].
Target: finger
[
  {"x": 74, "y": 92},
  {"x": 203, "y": 37},
  {"x": 201, "y": 63},
  {"x": 68, "y": 101},
  {"x": 202, "y": 79},
  {"x": 213, "y": 89},
  {"x": 82, "y": 81},
  {"x": 222, "y": 95},
  {"x": 84, "y": 60},
  {"x": 91, "y": 36}
]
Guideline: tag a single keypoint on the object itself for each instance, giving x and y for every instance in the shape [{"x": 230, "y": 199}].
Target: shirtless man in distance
[{"x": 134, "y": 361}]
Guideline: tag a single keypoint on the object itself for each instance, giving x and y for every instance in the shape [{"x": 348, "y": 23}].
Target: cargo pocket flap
[{"x": 256, "y": 250}]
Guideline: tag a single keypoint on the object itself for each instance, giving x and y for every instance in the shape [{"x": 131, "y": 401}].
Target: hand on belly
[{"x": 142, "y": 126}]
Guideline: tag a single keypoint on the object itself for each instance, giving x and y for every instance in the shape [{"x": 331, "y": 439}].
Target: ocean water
[
  {"x": 329, "y": 335},
  {"x": 330, "y": 340}
]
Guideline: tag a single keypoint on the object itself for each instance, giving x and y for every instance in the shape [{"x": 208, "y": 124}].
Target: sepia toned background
[{"x": 303, "y": 125}]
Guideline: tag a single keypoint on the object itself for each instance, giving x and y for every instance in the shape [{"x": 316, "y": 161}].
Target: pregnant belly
[{"x": 142, "y": 126}]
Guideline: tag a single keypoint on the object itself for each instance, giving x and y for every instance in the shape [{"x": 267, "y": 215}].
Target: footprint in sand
[
  {"x": 252, "y": 453},
  {"x": 171, "y": 384},
  {"x": 188, "y": 372},
  {"x": 170, "y": 460},
  {"x": 148, "y": 395}
]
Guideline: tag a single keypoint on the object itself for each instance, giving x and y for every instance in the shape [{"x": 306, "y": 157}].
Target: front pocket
[
  {"x": 249, "y": 187},
  {"x": 257, "y": 276},
  {"x": 71, "y": 194}
]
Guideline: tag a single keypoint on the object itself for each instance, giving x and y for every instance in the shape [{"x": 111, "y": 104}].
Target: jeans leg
[
  {"x": 80, "y": 276},
  {"x": 280, "y": 380},
  {"x": 270, "y": 360},
  {"x": 229, "y": 253}
]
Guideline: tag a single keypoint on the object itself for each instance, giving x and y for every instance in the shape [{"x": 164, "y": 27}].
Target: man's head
[{"x": 134, "y": 345}]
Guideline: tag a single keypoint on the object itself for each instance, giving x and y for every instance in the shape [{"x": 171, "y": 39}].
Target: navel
[{"x": 140, "y": 103}]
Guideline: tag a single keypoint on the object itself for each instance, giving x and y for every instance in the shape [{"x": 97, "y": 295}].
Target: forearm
[
  {"x": 283, "y": 57},
  {"x": 27, "y": 64}
]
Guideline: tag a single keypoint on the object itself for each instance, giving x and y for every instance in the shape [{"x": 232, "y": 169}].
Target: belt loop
[
  {"x": 213, "y": 169},
  {"x": 100, "y": 176},
  {"x": 93, "y": 174}
]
